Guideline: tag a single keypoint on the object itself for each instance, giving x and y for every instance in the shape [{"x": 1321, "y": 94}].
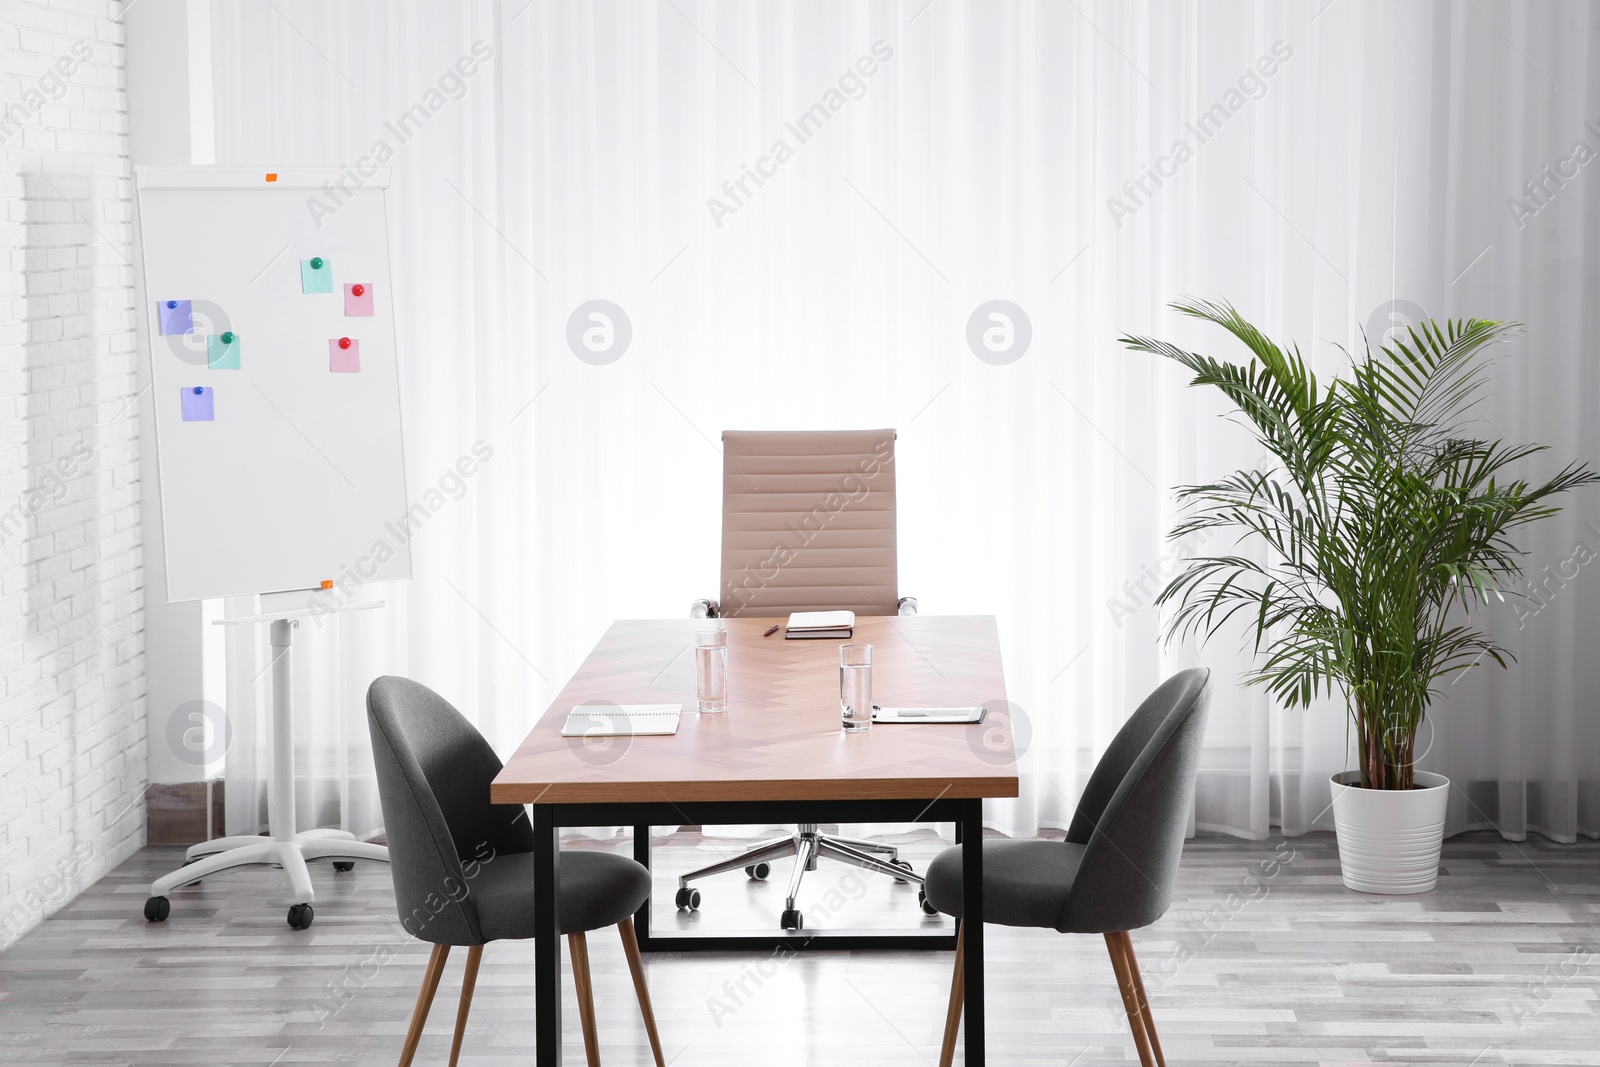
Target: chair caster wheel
[
  {"x": 758, "y": 872},
  {"x": 300, "y": 916},
  {"x": 792, "y": 919},
  {"x": 344, "y": 865},
  {"x": 904, "y": 866},
  {"x": 688, "y": 899},
  {"x": 156, "y": 909},
  {"x": 927, "y": 909}
]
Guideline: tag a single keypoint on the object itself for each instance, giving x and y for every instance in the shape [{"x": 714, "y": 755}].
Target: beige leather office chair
[{"x": 808, "y": 524}]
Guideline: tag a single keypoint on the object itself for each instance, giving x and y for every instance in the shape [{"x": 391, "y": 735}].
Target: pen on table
[{"x": 772, "y": 631}]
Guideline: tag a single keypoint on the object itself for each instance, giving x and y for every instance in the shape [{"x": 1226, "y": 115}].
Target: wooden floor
[{"x": 1264, "y": 959}]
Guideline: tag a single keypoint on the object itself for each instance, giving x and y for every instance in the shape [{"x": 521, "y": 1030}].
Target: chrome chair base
[{"x": 807, "y": 845}]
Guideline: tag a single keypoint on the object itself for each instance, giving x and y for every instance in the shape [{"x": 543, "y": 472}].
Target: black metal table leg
[
  {"x": 547, "y": 937},
  {"x": 972, "y": 927},
  {"x": 641, "y": 855}
]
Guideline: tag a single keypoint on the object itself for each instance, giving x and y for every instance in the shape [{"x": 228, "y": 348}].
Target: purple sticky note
[
  {"x": 358, "y": 298},
  {"x": 344, "y": 354},
  {"x": 198, "y": 404},
  {"x": 177, "y": 316}
]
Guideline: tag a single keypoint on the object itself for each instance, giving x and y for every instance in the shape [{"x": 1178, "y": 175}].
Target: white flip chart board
[{"x": 274, "y": 379}]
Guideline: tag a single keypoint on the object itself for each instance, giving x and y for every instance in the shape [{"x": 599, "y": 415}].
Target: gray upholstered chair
[
  {"x": 463, "y": 867},
  {"x": 1115, "y": 870}
]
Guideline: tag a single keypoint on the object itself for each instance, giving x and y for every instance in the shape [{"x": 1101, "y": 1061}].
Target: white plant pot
[{"x": 1390, "y": 839}]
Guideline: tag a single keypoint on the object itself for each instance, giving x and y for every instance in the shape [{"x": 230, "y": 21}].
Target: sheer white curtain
[{"x": 1086, "y": 162}]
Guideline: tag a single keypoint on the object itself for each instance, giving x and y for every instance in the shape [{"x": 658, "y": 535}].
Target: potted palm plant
[{"x": 1378, "y": 523}]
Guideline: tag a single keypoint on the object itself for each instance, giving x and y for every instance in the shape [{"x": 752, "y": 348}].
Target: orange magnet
[
  {"x": 327, "y": 583},
  {"x": 272, "y": 176}
]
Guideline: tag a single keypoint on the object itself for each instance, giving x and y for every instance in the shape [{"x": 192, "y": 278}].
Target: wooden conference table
[{"x": 777, "y": 755}]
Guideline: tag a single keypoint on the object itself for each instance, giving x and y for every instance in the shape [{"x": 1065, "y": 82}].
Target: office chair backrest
[
  {"x": 1134, "y": 812},
  {"x": 434, "y": 770},
  {"x": 808, "y": 522}
]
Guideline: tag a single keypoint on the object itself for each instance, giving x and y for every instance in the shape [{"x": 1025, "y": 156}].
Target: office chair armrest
[{"x": 908, "y": 605}]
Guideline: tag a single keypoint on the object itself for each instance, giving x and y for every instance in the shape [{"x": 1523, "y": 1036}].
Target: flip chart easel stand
[{"x": 285, "y": 848}]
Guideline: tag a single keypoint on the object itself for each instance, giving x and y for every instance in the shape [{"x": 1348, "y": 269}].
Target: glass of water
[
  {"x": 855, "y": 686},
  {"x": 711, "y": 668}
]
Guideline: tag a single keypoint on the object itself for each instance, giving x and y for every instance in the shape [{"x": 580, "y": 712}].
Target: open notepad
[{"x": 615, "y": 720}]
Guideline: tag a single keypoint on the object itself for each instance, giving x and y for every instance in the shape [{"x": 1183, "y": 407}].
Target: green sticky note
[
  {"x": 316, "y": 275},
  {"x": 222, "y": 351}
]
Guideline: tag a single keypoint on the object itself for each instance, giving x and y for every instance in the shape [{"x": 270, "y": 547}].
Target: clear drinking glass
[
  {"x": 855, "y": 686},
  {"x": 711, "y": 668}
]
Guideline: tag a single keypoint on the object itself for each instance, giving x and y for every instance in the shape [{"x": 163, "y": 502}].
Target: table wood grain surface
[{"x": 780, "y": 738}]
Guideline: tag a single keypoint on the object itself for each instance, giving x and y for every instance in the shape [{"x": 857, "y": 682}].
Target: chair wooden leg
[
  {"x": 1144, "y": 1002},
  {"x": 630, "y": 948},
  {"x": 958, "y": 990},
  {"x": 578, "y": 945},
  {"x": 419, "y": 1015},
  {"x": 1130, "y": 1000},
  {"x": 468, "y": 982}
]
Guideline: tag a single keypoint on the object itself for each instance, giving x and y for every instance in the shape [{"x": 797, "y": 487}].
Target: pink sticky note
[
  {"x": 358, "y": 298},
  {"x": 344, "y": 354}
]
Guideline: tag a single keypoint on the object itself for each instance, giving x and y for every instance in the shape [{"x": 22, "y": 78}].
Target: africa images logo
[
  {"x": 851, "y": 86},
  {"x": 1250, "y": 87}
]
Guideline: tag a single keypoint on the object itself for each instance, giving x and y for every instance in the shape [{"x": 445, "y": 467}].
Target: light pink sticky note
[
  {"x": 358, "y": 303},
  {"x": 344, "y": 359}
]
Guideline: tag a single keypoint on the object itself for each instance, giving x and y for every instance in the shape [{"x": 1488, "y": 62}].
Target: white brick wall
[{"x": 72, "y": 719}]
